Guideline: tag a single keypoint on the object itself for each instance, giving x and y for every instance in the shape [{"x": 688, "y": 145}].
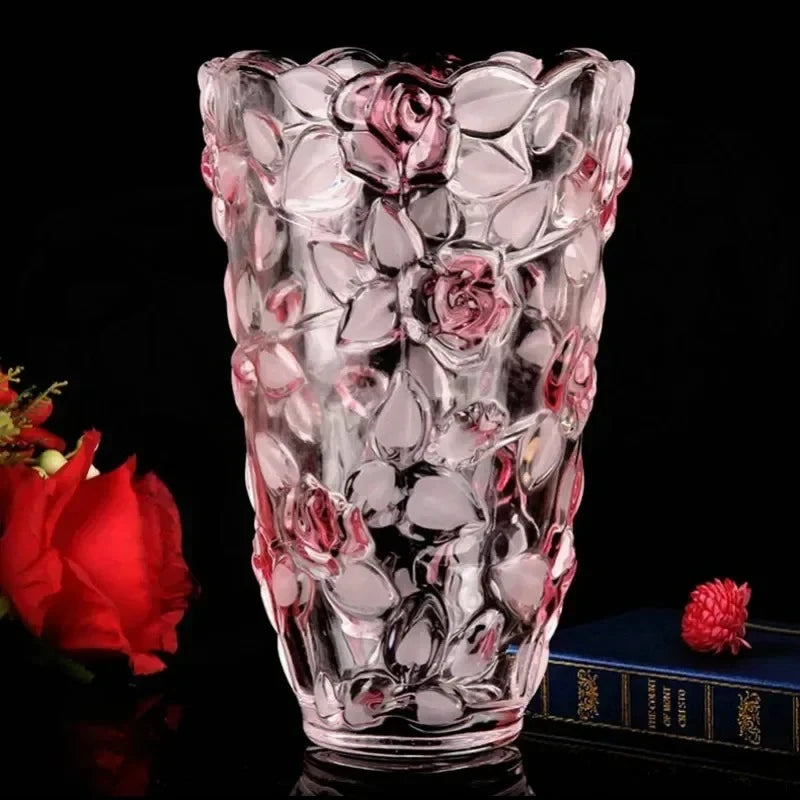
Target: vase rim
[{"x": 444, "y": 67}]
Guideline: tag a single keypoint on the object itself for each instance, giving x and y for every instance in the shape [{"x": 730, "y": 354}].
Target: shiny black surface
[{"x": 234, "y": 730}]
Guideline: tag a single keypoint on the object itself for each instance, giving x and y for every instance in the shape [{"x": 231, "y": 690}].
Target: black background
[{"x": 113, "y": 281}]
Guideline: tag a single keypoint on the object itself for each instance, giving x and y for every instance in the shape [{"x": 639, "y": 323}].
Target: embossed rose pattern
[
  {"x": 467, "y": 303},
  {"x": 416, "y": 293},
  {"x": 397, "y": 128},
  {"x": 320, "y": 527}
]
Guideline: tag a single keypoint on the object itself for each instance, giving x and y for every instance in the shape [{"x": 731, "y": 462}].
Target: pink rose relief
[
  {"x": 397, "y": 129},
  {"x": 322, "y": 527},
  {"x": 467, "y": 301}
]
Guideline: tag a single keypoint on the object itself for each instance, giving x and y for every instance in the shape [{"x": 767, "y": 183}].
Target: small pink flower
[
  {"x": 397, "y": 128},
  {"x": 320, "y": 527},
  {"x": 468, "y": 302}
]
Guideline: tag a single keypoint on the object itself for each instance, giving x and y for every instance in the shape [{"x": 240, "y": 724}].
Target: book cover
[{"x": 634, "y": 672}]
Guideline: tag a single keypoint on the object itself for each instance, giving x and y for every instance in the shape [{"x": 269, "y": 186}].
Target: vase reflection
[{"x": 493, "y": 773}]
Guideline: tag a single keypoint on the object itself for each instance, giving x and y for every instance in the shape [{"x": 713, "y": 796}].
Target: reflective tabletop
[{"x": 235, "y": 731}]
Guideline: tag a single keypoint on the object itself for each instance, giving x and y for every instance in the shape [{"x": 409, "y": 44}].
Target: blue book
[{"x": 634, "y": 672}]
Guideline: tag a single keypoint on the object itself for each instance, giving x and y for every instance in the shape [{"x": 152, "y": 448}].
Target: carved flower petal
[
  {"x": 341, "y": 268},
  {"x": 415, "y": 638},
  {"x": 371, "y": 319},
  {"x": 438, "y": 707},
  {"x": 363, "y": 590},
  {"x": 528, "y": 64},
  {"x": 264, "y": 139},
  {"x": 489, "y": 100},
  {"x": 368, "y": 158},
  {"x": 315, "y": 180},
  {"x": 309, "y": 89},
  {"x": 269, "y": 239},
  {"x": 424, "y": 164},
  {"x": 302, "y": 414},
  {"x": 549, "y": 122},
  {"x": 402, "y": 422},
  {"x": 279, "y": 372},
  {"x": 461, "y": 438},
  {"x": 361, "y": 388},
  {"x": 485, "y": 171},
  {"x": 391, "y": 238},
  {"x": 582, "y": 256},
  {"x": 348, "y": 61},
  {"x": 276, "y": 464},
  {"x": 441, "y": 502},
  {"x": 351, "y": 102},
  {"x": 593, "y": 305},
  {"x": 520, "y": 219},
  {"x": 537, "y": 347},
  {"x": 430, "y": 375},
  {"x": 232, "y": 177},
  {"x": 474, "y": 651},
  {"x": 374, "y": 488},
  {"x": 283, "y": 305},
  {"x": 540, "y": 451},
  {"x": 435, "y": 213},
  {"x": 519, "y": 582}
]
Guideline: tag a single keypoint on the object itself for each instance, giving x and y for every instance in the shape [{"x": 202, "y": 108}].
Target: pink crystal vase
[{"x": 416, "y": 293}]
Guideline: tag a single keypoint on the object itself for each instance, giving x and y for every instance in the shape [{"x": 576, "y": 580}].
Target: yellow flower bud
[{"x": 51, "y": 461}]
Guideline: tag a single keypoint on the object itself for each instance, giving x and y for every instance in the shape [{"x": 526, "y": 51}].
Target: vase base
[{"x": 415, "y": 745}]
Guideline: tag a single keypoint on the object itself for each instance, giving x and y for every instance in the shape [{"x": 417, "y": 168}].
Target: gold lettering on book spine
[
  {"x": 749, "y": 717},
  {"x": 588, "y": 695}
]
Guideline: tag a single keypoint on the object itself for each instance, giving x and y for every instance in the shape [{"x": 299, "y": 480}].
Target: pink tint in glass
[{"x": 416, "y": 293}]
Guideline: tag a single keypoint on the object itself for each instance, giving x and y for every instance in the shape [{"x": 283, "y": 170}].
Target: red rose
[{"x": 94, "y": 565}]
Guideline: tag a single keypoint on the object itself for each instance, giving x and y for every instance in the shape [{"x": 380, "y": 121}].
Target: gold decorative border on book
[
  {"x": 545, "y": 692},
  {"x": 668, "y": 676},
  {"x": 625, "y": 688},
  {"x": 709, "y": 711},
  {"x": 709, "y": 716}
]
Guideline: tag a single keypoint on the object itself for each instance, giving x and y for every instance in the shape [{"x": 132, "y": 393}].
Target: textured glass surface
[{"x": 416, "y": 293}]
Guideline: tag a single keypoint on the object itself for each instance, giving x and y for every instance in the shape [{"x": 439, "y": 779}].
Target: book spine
[{"x": 668, "y": 705}]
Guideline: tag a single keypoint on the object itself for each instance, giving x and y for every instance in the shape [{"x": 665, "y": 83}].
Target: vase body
[{"x": 416, "y": 294}]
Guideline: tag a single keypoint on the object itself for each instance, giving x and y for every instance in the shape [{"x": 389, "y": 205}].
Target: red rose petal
[
  {"x": 63, "y": 484},
  {"x": 170, "y": 581},
  {"x": 39, "y": 413},
  {"x": 30, "y": 572},
  {"x": 42, "y": 438},
  {"x": 101, "y": 530},
  {"x": 146, "y": 664},
  {"x": 84, "y": 619}
]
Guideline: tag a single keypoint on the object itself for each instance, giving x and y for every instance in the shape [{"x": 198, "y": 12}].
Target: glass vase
[{"x": 416, "y": 293}]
